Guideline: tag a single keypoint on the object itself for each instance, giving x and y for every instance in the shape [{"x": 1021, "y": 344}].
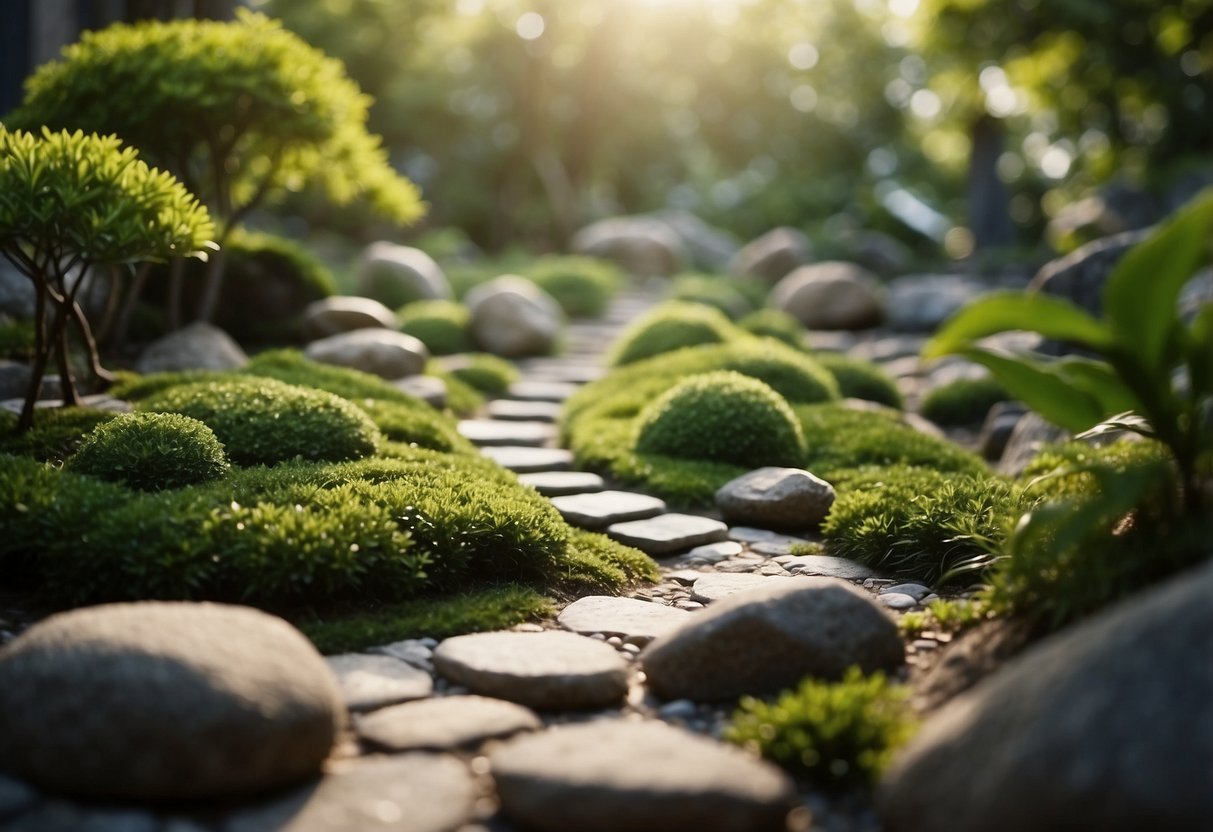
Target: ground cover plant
[
  {"x": 151, "y": 452},
  {"x": 484, "y": 372},
  {"x": 774, "y": 323},
  {"x": 670, "y": 326},
  {"x": 734, "y": 297},
  {"x": 861, "y": 379},
  {"x": 965, "y": 401},
  {"x": 442, "y": 325},
  {"x": 583, "y": 286}
]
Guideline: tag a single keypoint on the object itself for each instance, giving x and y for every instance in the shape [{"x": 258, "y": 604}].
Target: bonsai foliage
[
  {"x": 69, "y": 201},
  {"x": 242, "y": 112}
]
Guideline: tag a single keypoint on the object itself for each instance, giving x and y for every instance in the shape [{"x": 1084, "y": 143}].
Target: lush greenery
[
  {"x": 774, "y": 323},
  {"x": 485, "y": 372},
  {"x": 838, "y": 733},
  {"x": 964, "y": 401},
  {"x": 442, "y": 325},
  {"x": 151, "y": 452},
  {"x": 861, "y": 379},
  {"x": 734, "y": 297},
  {"x": 668, "y": 327},
  {"x": 583, "y": 286},
  {"x": 56, "y": 435}
]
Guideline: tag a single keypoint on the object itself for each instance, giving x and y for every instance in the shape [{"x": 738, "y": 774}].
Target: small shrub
[
  {"x": 55, "y": 437},
  {"x": 583, "y": 286},
  {"x": 151, "y": 452},
  {"x": 839, "y": 733},
  {"x": 723, "y": 417},
  {"x": 484, "y": 372},
  {"x": 715, "y": 291},
  {"x": 442, "y": 325},
  {"x": 264, "y": 421},
  {"x": 965, "y": 401},
  {"x": 775, "y": 323},
  {"x": 860, "y": 379},
  {"x": 668, "y": 327}
]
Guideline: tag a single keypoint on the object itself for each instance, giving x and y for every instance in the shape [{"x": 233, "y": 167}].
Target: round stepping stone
[
  {"x": 523, "y": 460},
  {"x": 643, "y": 777},
  {"x": 484, "y": 432},
  {"x": 401, "y": 793},
  {"x": 716, "y": 585},
  {"x": 372, "y": 681},
  {"x": 828, "y": 566},
  {"x": 446, "y": 723},
  {"x": 551, "y": 670},
  {"x": 619, "y": 616},
  {"x": 601, "y": 509},
  {"x": 557, "y": 483},
  {"x": 542, "y": 391},
  {"x": 513, "y": 410},
  {"x": 668, "y": 533}
]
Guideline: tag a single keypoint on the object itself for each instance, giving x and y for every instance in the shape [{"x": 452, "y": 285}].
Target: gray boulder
[
  {"x": 831, "y": 295},
  {"x": 165, "y": 701},
  {"x": 1080, "y": 276},
  {"x": 198, "y": 346},
  {"x": 776, "y": 498},
  {"x": 344, "y": 313},
  {"x": 773, "y": 256},
  {"x": 921, "y": 302},
  {"x": 513, "y": 317},
  {"x": 1108, "y": 725},
  {"x": 395, "y": 275},
  {"x": 768, "y": 638},
  {"x": 709, "y": 248},
  {"x": 381, "y": 352},
  {"x": 642, "y": 246}
]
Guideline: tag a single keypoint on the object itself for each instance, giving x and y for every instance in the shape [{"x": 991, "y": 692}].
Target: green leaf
[
  {"x": 1041, "y": 386},
  {"x": 1100, "y": 381},
  {"x": 1004, "y": 311},
  {"x": 1142, "y": 292}
]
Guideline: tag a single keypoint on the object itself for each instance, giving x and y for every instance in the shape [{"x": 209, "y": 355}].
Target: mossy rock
[
  {"x": 860, "y": 379},
  {"x": 717, "y": 291},
  {"x": 151, "y": 452},
  {"x": 774, "y": 323},
  {"x": 965, "y": 401},
  {"x": 722, "y": 417},
  {"x": 484, "y": 372},
  {"x": 583, "y": 286},
  {"x": 671, "y": 326},
  {"x": 444, "y": 326}
]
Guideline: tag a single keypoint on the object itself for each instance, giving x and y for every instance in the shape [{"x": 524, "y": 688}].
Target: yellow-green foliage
[
  {"x": 151, "y": 452},
  {"x": 965, "y": 401},
  {"x": 839, "y": 733},
  {"x": 668, "y": 327},
  {"x": 583, "y": 286},
  {"x": 719, "y": 292},
  {"x": 484, "y": 372},
  {"x": 775, "y": 323},
  {"x": 722, "y": 417},
  {"x": 442, "y": 325},
  {"x": 860, "y": 379}
]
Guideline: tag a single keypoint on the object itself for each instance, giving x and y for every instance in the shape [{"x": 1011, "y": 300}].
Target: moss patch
[
  {"x": 671, "y": 326},
  {"x": 151, "y": 452}
]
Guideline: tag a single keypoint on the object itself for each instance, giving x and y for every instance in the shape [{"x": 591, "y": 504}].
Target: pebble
[
  {"x": 897, "y": 601},
  {"x": 715, "y": 552},
  {"x": 915, "y": 591}
]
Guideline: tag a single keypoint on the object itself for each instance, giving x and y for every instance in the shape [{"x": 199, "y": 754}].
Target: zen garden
[{"x": 592, "y": 415}]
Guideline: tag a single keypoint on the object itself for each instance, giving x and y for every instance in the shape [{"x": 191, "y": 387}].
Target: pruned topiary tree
[
  {"x": 241, "y": 111},
  {"x": 69, "y": 201}
]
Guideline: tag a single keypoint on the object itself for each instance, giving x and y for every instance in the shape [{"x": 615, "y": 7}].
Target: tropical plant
[{"x": 69, "y": 201}]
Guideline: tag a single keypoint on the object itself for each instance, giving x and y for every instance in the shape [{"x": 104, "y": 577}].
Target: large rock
[
  {"x": 380, "y": 352},
  {"x": 165, "y": 701},
  {"x": 198, "y": 346},
  {"x": 830, "y": 295},
  {"x": 1080, "y": 276},
  {"x": 773, "y": 256},
  {"x": 766, "y": 639},
  {"x": 513, "y": 317},
  {"x": 343, "y": 313},
  {"x": 395, "y": 275},
  {"x": 776, "y": 498},
  {"x": 642, "y": 246},
  {"x": 921, "y": 302},
  {"x": 1107, "y": 726},
  {"x": 709, "y": 248},
  {"x": 642, "y": 777}
]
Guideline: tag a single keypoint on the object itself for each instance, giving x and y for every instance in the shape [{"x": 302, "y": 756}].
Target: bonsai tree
[
  {"x": 241, "y": 112},
  {"x": 69, "y": 201}
]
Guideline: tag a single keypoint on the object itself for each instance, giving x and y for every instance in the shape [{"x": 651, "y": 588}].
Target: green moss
[
  {"x": 721, "y": 417},
  {"x": 56, "y": 434},
  {"x": 461, "y": 398},
  {"x": 671, "y": 326},
  {"x": 484, "y": 372},
  {"x": 442, "y": 325},
  {"x": 838, "y": 733},
  {"x": 717, "y": 291},
  {"x": 417, "y": 425},
  {"x": 860, "y": 379},
  {"x": 264, "y": 421},
  {"x": 774, "y": 323},
  {"x": 965, "y": 401},
  {"x": 151, "y": 452},
  {"x": 583, "y": 286},
  {"x": 292, "y": 367},
  {"x": 474, "y": 611},
  {"x": 595, "y": 563}
]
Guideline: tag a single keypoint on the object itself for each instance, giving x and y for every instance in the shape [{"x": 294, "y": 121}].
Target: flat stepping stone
[
  {"x": 542, "y": 391},
  {"x": 549, "y": 671},
  {"x": 627, "y": 617},
  {"x": 601, "y": 509},
  {"x": 484, "y": 432},
  {"x": 514, "y": 410},
  {"x": 749, "y": 534},
  {"x": 558, "y": 483},
  {"x": 639, "y": 776},
  {"x": 523, "y": 460},
  {"x": 829, "y": 566},
  {"x": 713, "y": 586},
  {"x": 445, "y": 723},
  {"x": 668, "y": 533},
  {"x": 372, "y": 681},
  {"x": 401, "y": 793}
]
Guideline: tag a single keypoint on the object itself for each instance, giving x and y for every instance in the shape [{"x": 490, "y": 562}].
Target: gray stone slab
[
  {"x": 445, "y": 723},
  {"x": 749, "y": 534},
  {"x": 516, "y": 410},
  {"x": 620, "y": 616},
  {"x": 542, "y": 391},
  {"x": 486, "y": 432},
  {"x": 525, "y": 460},
  {"x": 716, "y": 585},
  {"x": 829, "y": 566},
  {"x": 375, "y": 681},
  {"x": 668, "y": 533},
  {"x": 713, "y": 552},
  {"x": 557, "y": 483},
  {"x": 601, "y": 509},
  {"x": 897, "y": 601}
]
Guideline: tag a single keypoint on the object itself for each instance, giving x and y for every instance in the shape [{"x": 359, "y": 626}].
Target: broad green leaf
[
  {"x": 1141, "y": 294},
  {"x": 1051, "y": 317},
  {"x": 1041, "y": 387},
  {"x": 1099, "y": 381}
]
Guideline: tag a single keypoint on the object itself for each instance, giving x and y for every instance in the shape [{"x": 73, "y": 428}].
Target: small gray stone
[
  {"x": 627, "y": 617},
  {"x": 678, "y": 709},
  {"x": 921, "y": 302},
  {"x": 343, "y": 313},
  {"x": 601, "y": 509},
  {"x": 830, "y": 295},
  {"x": 747, "y": 534},
  {"x": 550, "y": 670},
  {"x": 380, "y": 352},
  {"x": 828, "y": 566},
  {"x": 668, "y": 533},
  {"x": 513, "y": 317},
  {"x": 513, "y": 410},
  {"x": 642, "y": 246},
  {"x": 542, "y": 391},
  {"x": 915, "y": 591},
  {"x": 777, "y": 498},
  {"x": 768, "y": 638},
  {"x": 716, "y": 585},
  {"x": 198, "y": 346},
  {"x": 429, "y": 389},
  {"x": 524, "y": 460},
  {"x": 398, "y": 275},
  {"x": 445, "y": 724},
  {"x": 558, "y": 483},
  {"x": 410, "y": 651},
  {"x": 897, "y": 601},
  {"x": 715, "y": 552},
  {"x": 485, "y": 432},
  {"x": 371, "y": 681},
  {"x": 642, "y": 777},
  {"x": 773, "y": 255}
]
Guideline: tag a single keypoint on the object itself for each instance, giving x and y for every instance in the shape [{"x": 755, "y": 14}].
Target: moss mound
[
  {"x": 151, "y": 452},
  {"x": 774, "y": 323},
  {"x": 444, "y": 326},
  {"x": 860, "y": 379},
  {"x": 484, "y": 372},
  {"x": 719, "y": 292},
  {"x": 965, "y": 401},
  {"x": 583, "y": 286},
  {"x": 722, "y": 417},
  {"x": 671, "y": 326},
  {"x": 56, "y": 433}
]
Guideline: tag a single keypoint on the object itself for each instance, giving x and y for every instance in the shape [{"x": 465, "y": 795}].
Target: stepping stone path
[
  {"x": 524, "y": 460},
  {"x": 637, "y": 621},
  {"x": 668, "y": 533},
  {"x": 602, "y": 509},
  {"x": 558, "y": 483},
  {"x": 486, "y": 432}
]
